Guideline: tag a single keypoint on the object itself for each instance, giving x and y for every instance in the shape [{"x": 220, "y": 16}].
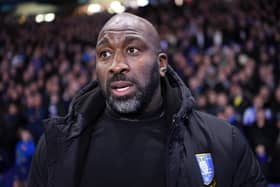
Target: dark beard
[{"x": 137, "y": 103}]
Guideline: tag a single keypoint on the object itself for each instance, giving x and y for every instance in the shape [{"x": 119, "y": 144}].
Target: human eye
[
  {"x": 105, "y": 54},
  {"x": 133, "y": 51}
]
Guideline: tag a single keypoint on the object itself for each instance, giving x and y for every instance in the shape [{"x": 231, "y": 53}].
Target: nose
[{"x": 119, "y": 64}]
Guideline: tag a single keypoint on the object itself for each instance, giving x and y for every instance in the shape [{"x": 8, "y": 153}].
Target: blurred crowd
[{"x": 227, "y": 53}]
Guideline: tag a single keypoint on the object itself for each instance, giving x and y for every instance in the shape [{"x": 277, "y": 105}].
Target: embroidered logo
[{"x": 206, "y": 166}]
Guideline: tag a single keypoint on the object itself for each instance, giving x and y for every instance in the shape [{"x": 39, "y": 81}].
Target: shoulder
[
  {"x": 41, "y": 147},
  {"x": 218, "y": 132},
  {"x": 87, "y": 101},
  {"x": 229, "y": 148},
  {"x": 38, "y": 172},
  {"x": 210, "y": 119},
  {"x": 211, "y": 123}
]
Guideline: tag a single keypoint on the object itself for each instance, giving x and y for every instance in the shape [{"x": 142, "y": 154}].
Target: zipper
[{"x": 170, "y": 133}]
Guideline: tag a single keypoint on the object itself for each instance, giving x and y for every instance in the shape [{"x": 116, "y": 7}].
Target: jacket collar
[
  {"x": 178, "y": 98},
  {"x": 89, "y": 103},
  {"x": 86, "y": 107}
]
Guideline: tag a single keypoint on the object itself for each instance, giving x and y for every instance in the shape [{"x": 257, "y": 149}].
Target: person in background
[
  {"x": 250, "y": 114},
  {"x": 25, "y": 149}
]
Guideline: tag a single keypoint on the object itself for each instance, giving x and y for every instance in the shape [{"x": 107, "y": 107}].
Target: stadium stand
[{"x": 229, "y": 56}]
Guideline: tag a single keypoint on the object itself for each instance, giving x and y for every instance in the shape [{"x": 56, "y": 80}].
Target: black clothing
[
  {"x": 126, "y": 153},
  {"x": 275, "y": 162},
  {"x": 266, "y": 135},
  {"x": 62, "y": 150}
]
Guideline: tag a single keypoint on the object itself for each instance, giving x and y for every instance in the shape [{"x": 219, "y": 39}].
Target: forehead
[
  {"x": 121, "y": 35},
  {"x": 126, "y": 22},
  {"x": 122, "y": 26}
]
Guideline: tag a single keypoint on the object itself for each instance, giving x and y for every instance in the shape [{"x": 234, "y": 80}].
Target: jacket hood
[
  {"x": 89, "y": 103},
  {"x": 176, "y": 94}
]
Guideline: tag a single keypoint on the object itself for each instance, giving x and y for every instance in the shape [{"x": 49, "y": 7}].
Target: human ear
[{"x": 162, "y": 62}]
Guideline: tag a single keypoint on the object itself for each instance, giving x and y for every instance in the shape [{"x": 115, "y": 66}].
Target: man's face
[{"x": 127, "y": 68}]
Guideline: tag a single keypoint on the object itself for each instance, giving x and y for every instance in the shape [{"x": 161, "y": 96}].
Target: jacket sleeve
[
  {"x": 247, "y": 171},
  {"x": 38, "y": 174}
]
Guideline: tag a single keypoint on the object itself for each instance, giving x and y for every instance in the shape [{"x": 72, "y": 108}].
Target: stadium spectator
[
  {"x": 223, "y": 47},
  {"x": 25, "y": 149}
]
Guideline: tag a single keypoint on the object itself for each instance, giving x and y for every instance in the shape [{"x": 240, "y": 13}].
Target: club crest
[{"x": 206, "y": 166}]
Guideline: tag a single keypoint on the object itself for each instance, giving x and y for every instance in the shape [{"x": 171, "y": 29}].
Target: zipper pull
[{"x": 174, "y": 119}]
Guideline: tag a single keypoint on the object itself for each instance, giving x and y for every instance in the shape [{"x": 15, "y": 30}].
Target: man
[{"x": 136, "y": 125}]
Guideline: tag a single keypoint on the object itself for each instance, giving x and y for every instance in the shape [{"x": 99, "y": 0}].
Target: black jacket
[{"x": 63, "y": 148}]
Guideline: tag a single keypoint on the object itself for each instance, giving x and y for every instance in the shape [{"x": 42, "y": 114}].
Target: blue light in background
[{"x": 5, "y": 8}]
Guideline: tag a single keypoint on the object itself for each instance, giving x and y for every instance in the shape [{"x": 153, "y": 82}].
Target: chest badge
[{"x": 206, "y": 167}]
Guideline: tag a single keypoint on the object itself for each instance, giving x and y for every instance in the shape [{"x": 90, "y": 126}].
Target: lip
[{"x": 122, "y": 88}]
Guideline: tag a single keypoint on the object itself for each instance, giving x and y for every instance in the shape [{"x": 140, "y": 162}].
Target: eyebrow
[
  {"x": 103, "y": 41},
  {"x": 129, "y": 39}
]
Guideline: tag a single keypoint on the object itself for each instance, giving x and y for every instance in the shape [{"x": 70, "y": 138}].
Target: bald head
[{"x": 130, "y": 22}]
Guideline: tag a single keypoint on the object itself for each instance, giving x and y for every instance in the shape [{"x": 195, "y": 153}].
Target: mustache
[{"x": 120, "y": 77}]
